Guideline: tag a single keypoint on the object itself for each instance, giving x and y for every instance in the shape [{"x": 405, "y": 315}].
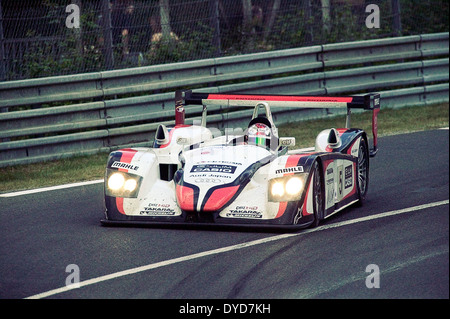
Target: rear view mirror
[
  {"x": 287, "y": 141},
  {"x": 184, "y": 140}
]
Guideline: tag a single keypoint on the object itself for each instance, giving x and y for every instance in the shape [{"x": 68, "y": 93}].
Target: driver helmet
[{"x": 259, "y": 134}]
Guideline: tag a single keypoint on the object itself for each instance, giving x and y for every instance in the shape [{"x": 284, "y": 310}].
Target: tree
[
  {"x": 325, "y": 15},
  {"x": 247, "y": 11},
  {"x": 273, "y": 14},
  {"x": 165, "y": 18}
]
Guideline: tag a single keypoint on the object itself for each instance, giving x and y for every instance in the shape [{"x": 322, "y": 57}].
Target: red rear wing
[{"x": 369, "y": 101}]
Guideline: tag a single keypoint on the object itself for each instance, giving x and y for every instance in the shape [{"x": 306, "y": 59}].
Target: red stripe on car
[
  {"x": 219, "y": 198},
  {"x": 171, "y": 131},
  {"x": 305, "y": 202},
  {"x": 281, "y": 209},
  {"x": 119, "y": 205},
  {"x": 294, "y": 160},
  {"x": 280, "y": 98},
  {"x": 185, "y": 197},
  {"x": 291, "y": 161},
  {"x": 127, "y": 157}
]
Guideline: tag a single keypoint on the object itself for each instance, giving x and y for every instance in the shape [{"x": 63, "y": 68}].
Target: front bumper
[
  {"x": 208, "y": 220},
  {"x": 204, "y": 225}
]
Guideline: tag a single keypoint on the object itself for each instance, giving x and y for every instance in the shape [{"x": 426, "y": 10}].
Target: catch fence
[{"x": 42, "y": 38}]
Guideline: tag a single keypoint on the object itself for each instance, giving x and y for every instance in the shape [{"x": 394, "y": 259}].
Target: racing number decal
[
  {"x": 346, "y": 184},
  {"x": 348, "y": 176},
  {"x": 345, "y": 179}
]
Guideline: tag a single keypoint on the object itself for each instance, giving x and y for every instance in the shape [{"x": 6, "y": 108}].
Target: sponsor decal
[
  {"x": 287, "y": 141},
  {"x": 124, "y": 166},
  {"x": 348, "y": 177},
  {"x": 298, "y": 216},
  {"x": 295, "y": 169},
  {"x": 221, "y": 162},
  {"x": 245, "y": 212},
  {"x": 213, "y": 168},
  {"x": 329, "y": 187},
  {"x": 157, "y": 210},
  {"x": 208, "y": 180},
  {"x": 203, "y": 178}
]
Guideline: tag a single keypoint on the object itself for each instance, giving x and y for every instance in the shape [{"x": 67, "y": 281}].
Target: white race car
[{"x": 191, "y": 177}]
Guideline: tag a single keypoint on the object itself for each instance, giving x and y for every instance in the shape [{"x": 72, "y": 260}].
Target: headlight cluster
[
  {"x": 286, "y": 189},
  {"x": 121, "y": 184}
]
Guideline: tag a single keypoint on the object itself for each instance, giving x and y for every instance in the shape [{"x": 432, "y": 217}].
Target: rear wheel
[
  {"x": 363, "y": 170},
  {"x": 318, "y": 194}
]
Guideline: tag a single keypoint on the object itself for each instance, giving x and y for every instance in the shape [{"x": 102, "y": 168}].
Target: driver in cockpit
[{"x": 260, "y": 133}]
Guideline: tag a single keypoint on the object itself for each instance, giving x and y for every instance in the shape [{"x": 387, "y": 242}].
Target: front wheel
[
  {"x": 363, "y": 170},
  {"x": 318, "y": 194}
]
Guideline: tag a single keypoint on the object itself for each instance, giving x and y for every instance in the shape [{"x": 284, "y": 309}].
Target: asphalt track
[{"x": 42, "y": 233}]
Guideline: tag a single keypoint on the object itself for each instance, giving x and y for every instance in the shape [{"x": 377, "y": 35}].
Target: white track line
[
  {"x": 50, "y": 188},
  {"x": 230, "y": 248}
]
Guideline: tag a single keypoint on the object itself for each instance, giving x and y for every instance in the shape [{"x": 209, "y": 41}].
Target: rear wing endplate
[{"x": 369, "y": 101}]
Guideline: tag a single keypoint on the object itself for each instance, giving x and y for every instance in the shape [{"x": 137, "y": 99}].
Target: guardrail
[{"x": 49, "y": 118}]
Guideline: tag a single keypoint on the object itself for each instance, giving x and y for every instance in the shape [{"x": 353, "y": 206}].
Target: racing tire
[
  {"x": 363, "y": 171},
  {"x": 318, "y": 194}
]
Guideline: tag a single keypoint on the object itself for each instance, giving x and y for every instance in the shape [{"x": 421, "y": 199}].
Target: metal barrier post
[
  {"x": 107, "y": 35},
  {"x": 2, "y": 48}
]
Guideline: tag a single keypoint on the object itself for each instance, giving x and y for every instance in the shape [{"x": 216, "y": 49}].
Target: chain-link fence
[{"x": 57, "y": 37}]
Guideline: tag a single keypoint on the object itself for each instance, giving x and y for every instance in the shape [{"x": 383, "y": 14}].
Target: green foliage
[
  {"x": 66, "y": 53},
  {"x": 424, "y": 16},
  {"x": 196, "y": 44},
  {"x": 50, "y": 49}
]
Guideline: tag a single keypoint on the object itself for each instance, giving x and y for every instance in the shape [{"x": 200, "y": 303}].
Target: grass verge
[{"x": 86, "y": 168}]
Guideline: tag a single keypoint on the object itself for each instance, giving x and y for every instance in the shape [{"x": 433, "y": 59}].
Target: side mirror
[
  {"x": 184, "y": 140},
  {"x": 287, "y": 141}
]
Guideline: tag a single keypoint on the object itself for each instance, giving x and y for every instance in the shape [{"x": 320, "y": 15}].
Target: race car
[{"x": 192, "y": 177}]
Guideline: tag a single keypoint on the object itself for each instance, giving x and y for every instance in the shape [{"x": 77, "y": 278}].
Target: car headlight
[
  {"x": 286, "y": 189},
  {"x": 130, "y": 185},
  {"x": 277, "y": 189},
  {"x": 116, "y": 181},
  {"x": 121, "y": 184},
  {"x": 294, "y": 186}
]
